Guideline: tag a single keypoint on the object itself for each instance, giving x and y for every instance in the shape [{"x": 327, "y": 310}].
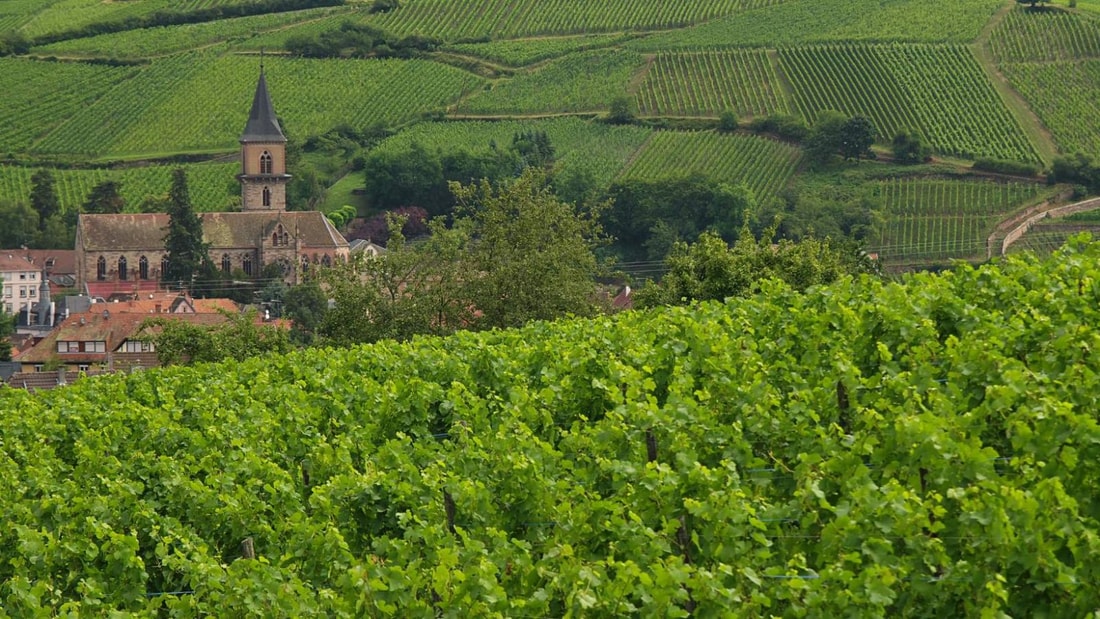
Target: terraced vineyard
[
  {"x": 211, "y": 185},
  {"x": 64, "y": 15},
  {"x": 707, "y": 83},
  {"x": 585, "y": 82},
  {"x": 938, "y": 90},
  {"x": 1061, "y": 93},
  {"x": 456, "y": 19},
  {"x": 147, "y": 42},
  {"x": 1035, "y": 36},
  {"x": 763, "y": 165},
  {"x": 593, "y": 149},
  {"x": 800, "y": 22},
  {"x": 522, "y": 52},
  {"x": 928, "y": 219}
]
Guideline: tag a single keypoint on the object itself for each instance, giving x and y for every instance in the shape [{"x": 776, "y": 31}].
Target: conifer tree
[{"x": 187, "y": 254}]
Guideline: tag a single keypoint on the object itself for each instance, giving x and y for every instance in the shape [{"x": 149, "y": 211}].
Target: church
[{"x": 125, "y": 253}]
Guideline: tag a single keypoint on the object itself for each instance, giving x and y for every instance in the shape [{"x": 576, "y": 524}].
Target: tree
[
  {"x": 305, "y": 305},
  {"x": 7, "y": 327},
  {"x": 411, "y": 289},
  {"x": 856, "y": 137},
  {"x": 711, "y": 269},
  {"x": 621, "y": 111},
  {"x": 533, "y": 258},
  {"x": 824, "y": 140},
  {"x": 104, "y": 198},
  {"x": 188, "y": 259},
  {"x": 43, "y": 197},
  {"x": 239, "y": 337},
  {"x": 910, "y": 148},
  {"x": 18, "y": 224},
  {"x": 727, "y": 122}
]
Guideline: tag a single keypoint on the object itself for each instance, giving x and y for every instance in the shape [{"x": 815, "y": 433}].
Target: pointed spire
[{"x": 263, "y": 126}]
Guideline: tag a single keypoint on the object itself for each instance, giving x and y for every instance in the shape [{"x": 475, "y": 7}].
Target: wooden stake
[
  {"x": 248, "y": 551},
  {"x": 651, "y": 445}
]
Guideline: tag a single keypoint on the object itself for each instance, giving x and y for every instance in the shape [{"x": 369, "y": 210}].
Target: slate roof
[
  {"x": 145, "y": 231},
  {"x": 263, "y": 126}
]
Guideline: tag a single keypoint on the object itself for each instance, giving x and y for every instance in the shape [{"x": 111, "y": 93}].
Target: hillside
[
  {"x": 925, "y": 448},
  {"x": 103, "y": 83}
]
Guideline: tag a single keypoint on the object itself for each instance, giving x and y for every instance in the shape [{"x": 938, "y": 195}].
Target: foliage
[
  {"x": 709, "y": 269},
  {"x": 1003, "y": 166},
  {"x": 651, "y": 213},
  {"x": 18, "y": 224},
  {"x": 910, "y": 148},
  {"x": 622, "y": 111},
  {"x": 411, "y": 289},
  {"x": 352, "y": 40},
  {"x": 104, "y": 199},
  {"x": 187, "y": 254},
  {"x": 856, "y": 137},
  {"x": 13, "y": 43},
  {"x": 238, "y": 337},
  {"x": 305, "y": 305},
  {"x": 534, "y": 255},
  {"x": 782, "y": 125},
  {"x": 377, "y": 228},
  {"x": 43, "y": 196},
  {"x": 742, "y": 81},
  {"x": 1076, "y": 168},
  {"x": 727, "y": 122},
  {"x": 7, "y": 328},
  {"x": 844, "y": 452}
]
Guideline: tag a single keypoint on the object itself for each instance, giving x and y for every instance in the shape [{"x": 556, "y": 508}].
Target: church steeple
[
  {"x": 263, "y": 125},
  {"x": 263, "y": 174}
]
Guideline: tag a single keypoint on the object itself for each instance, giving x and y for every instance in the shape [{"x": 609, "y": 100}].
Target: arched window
[
  {"x": 305, "y": 264},
  {"x": 122, "y": 268},
  {"x": 163, "y": 265},
  {"x": 265, "y": 163},
  {"x": 267, "y": 197},
  {"x": 280, "y": 236},
  {"x": 143, "y": 267},
  {"x": 246, "y": 265},
  {"x": 226, "y": 265},
  {"x": 101, "y": 268},
  {"x": 326, "y": 261}
]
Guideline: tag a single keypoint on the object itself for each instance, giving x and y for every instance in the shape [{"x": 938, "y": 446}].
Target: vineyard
[
  {"x": 465, "y": 19},
  {"x": 799, "y": 22},
  {"x": 594, "y": 150},
  {"x": 212, "y": 186},
  {"x": 847, "y": 452},
  {"x": 1028, "y": 36},
  {"x": 941, "y": 219},
  {"x": 940, "y": 91},
  {"x": 761, "y": 164},
  {"x": 522, "y": 52},
  {"x": 582, "y": 82},
  {"x": 709, "y": 83},
  {"x": 50, "y": 17},
  {"x": 147, "y": 42}
]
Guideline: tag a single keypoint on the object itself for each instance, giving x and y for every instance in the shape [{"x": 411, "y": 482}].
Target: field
[
  {"x": 940, "y": 91},
  {"x": 936, "y": 219},
  {"x": 583, "y": 82},
  {"x": 761, "y": 164},
  {"x": 1026, "y": 36},
  {"x": 594, "y": 150},
  {"x": 212, "y": 185},
  {"x": 522, "y": 52},
  {"x": 868, "y": 449},
  {"x": 708, "y": 83}
]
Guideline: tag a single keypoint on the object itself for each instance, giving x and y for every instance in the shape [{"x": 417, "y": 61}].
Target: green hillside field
[
  {"x": 872, "y": 449},
  {"x": 977, "y": 78}
]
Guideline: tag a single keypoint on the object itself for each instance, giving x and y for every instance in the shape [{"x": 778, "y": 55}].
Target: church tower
[{"x": 263, "y": 174}]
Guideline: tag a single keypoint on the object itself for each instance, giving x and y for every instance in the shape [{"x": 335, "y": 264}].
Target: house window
[
  {"x": 326, "y": 261},
  {"x": 267, "y": 197},
  {"x": 22, "y": 292},
  {"x": 68, "y": 347},
  {"x": 101, "y": 268},
  {"x": 265, "y": 163},
  {"x": 22, "y": 276},
  {"x": 246, "y": 265},
  {"x": 82, "y": 367},
  {"x": 34, "y": 292},
  {"x": 143, "y": 268},
  {"x": 163, "y": 266},
  {"x": 136, "y": 346},
  {"x": 122, "y": 273},
  {"x": 95, "y": 346},
  {"x": 305, "y": 264},
  {"x": 7, "y": 292},
  {"x": 226, "y": 264}
]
